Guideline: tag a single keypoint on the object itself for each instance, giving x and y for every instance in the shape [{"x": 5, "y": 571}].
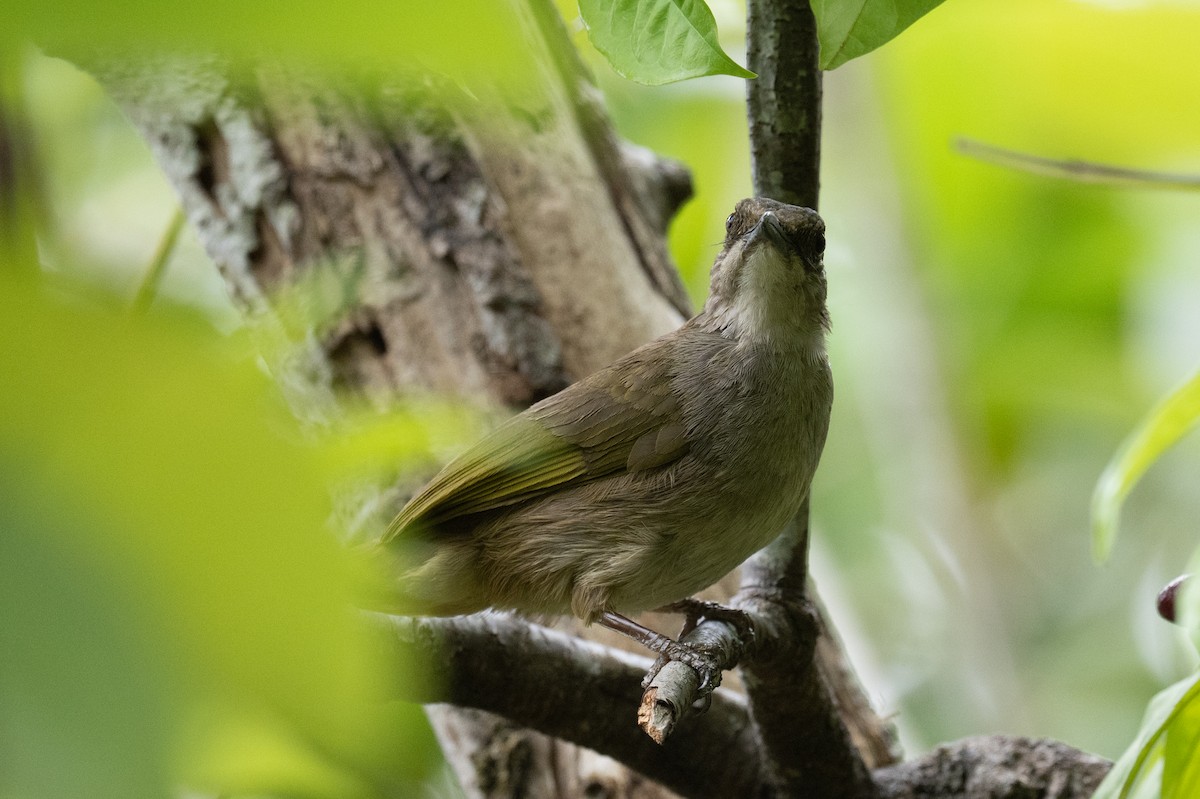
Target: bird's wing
[{"x": 625, "y": 418}]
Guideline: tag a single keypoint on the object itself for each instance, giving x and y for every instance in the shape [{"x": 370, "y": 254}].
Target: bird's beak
[{"x": 770, "y": 229}]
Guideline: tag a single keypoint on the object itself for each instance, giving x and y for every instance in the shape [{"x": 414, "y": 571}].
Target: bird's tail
[{"x": 443, "y": 584}]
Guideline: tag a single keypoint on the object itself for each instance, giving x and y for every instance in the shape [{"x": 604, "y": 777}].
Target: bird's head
[{"x": 769, "y": 278}]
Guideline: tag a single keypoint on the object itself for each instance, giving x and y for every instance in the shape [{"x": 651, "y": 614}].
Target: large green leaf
[
  {"x": 850, "y": 28},
  {"x": 658, "y": 41},
  {"x": 1164, "y": 425}
]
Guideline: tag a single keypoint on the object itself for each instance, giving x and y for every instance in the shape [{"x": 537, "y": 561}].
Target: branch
[
  {"x": 676, "y": 687},
  {"x": 809, "y": 746},
  {"x": 1076, "y": 169},
  {"x": 646, "y": 190},
  {"x": 581, "y": 691},
  {"x": 577, "y": 690},
  {"x": 810, "y": 750},
  {"x": 996, "y": 767},
  {"x": 784, "y": 102}
]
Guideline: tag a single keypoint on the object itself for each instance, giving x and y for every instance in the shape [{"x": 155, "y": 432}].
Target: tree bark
[{"x": 996, "y": 767}]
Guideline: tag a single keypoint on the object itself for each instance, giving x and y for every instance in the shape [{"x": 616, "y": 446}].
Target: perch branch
[
  {"x": 577, "y": 690},
  {"x": 581, "y": 691}
]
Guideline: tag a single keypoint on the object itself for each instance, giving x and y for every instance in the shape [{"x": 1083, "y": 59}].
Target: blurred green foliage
[
  {"x": 174, "y": 607},
  {"x": 467, "y": 40},
  {"x": 1036, "y": 295}
]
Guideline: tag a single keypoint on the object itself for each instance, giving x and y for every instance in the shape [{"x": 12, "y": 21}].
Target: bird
[{"x": 650, "y": 479}]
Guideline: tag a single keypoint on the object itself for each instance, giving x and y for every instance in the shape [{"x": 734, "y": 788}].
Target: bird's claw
[{"x": 699, "y": 660}]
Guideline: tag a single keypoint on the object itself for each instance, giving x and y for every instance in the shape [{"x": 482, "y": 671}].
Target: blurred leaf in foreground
[
  {"x": 850, "y": 28},
  {"x": 466, "y": 39},
  {"x": 658, "y": 41},
  {"x": 1165, "y": 425},
  {"x": 166, "y": 561}
]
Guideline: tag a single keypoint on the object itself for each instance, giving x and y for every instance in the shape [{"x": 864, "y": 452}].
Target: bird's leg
[
  {"x": 654, "y": 641},
  {"x": 703, "y": 663}
]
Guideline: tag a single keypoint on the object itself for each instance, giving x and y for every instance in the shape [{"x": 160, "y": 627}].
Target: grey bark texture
[
  {"x": 784, "y": 101},
  {"x": 499, "y": 249},
  {"x": 996, "y": 767}
]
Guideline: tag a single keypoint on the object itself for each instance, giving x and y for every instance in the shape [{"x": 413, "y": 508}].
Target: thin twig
[
  {"x": 158, "y": 264},
  {"x": 1075, "y": 169}
]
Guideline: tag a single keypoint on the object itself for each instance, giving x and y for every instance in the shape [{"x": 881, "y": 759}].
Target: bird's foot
[{"x": 702, "y": 660}]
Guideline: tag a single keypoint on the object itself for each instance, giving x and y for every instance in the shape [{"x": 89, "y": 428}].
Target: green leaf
[
  {"x": 658, "y": 41},
  {"x": 1166, "y": 424},
  {"x": 850, "y": 28},
  {"x": 1181, "y": 762},
  {"x": 1139, "y": 770}
]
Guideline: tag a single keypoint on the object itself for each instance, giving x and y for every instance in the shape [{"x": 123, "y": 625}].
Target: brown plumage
[{"x": 652, "y": 478}]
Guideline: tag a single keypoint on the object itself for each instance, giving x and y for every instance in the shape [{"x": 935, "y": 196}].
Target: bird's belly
[
  {"x": 643, "y": 540},
  {"x": 688, "y": 560}
]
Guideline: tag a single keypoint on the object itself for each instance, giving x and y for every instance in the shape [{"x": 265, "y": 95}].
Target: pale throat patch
[{"x": 767, "y": 306}]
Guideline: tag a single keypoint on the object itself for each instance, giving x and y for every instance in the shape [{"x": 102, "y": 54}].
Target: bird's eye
[
  {"x": 729, "y": 223},
  {"x": 819, "y": 242}
]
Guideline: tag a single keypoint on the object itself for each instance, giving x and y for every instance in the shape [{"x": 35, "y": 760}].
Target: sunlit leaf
[
  {"x": 1138, "y": 771},
  {"x": 850, "y": 28},
  {"x": 658, "y": 41},
  {"x": 1165, "y": 425}
]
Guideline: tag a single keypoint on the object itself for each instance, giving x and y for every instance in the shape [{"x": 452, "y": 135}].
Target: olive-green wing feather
[{"x": 623, "y": 418}]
